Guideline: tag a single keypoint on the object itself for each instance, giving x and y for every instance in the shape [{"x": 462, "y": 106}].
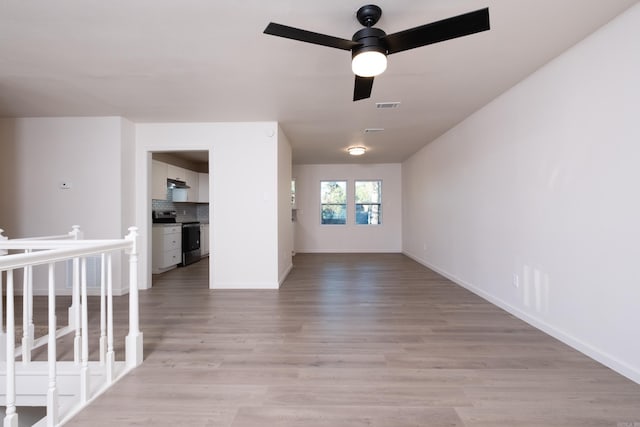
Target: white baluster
[
  {"x": 110, "y": 353},
  {"x": 32, "y": 329},
  {"x": 103, "y": 314},
  {"x": 84, "y": 369},
  {"x": 52, "y": 392},
  {"x": 3, "y": 341},
  {"x": 134, "y": 339},
  {"x": 77, "y": 340},
  {"x": 26, "y": 336},
  {"x": 11, "y": 417}
]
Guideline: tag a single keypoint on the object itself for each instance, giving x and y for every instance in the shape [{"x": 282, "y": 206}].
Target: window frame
[
  {"x": 369, "y": 203},
  {"x": 345, "y": 205}
]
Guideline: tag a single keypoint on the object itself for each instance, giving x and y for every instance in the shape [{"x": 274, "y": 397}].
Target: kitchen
[{"x": 180, "y": 209}]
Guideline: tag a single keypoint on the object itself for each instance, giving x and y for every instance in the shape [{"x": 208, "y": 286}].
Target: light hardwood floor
[{"x": 351, "y": 340}]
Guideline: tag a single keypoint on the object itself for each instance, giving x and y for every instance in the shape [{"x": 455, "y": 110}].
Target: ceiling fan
[{"x": 370, "y": 46}]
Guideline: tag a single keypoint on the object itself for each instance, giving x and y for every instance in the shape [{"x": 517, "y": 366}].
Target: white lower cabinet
[{"x": 167, "y": 247}]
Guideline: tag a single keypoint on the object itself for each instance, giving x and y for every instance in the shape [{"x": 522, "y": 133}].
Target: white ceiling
[{"x": 197, "y": 60}]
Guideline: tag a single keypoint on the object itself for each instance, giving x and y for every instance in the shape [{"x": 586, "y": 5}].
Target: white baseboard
[
  {"x": 246, "y": 285},
  {"x": 284, "y": 275},
  {"x": 349, "y": 251}
]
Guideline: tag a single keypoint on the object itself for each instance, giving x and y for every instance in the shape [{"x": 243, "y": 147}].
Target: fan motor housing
[
  {"x": 368, "y": 15},
  {"x": 369, "y": 39}
]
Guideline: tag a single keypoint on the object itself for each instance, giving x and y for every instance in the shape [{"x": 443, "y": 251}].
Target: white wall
[
  {"x": 243, "y": 194},
  {"x": 285, "y": 226},
  {"x": 311, "y": 236},
  {"x": 37, "y": 154},
  {"x": 543, "y": 184},
  {"x": 128, "y": 176}
]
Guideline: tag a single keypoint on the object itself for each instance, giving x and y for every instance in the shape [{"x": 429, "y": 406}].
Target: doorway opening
[{"x": 180, "y": 211}]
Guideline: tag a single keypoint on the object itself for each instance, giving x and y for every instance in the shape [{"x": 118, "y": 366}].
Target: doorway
[{"x": 180, "y": 183}]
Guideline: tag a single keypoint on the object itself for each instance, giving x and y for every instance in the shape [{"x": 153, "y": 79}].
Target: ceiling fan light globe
[{"x": 370, "y": 63}]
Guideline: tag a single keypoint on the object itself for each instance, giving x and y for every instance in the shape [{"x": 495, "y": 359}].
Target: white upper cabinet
[
  {"x": 177, "y": 173},
  {"x": 203, "y": 188},
  {"x": 191, "y": 179},
  {"x": 188, "y": 176},
  {"x": 163, "y": 171},
  {"x": 159, "y": 180}
]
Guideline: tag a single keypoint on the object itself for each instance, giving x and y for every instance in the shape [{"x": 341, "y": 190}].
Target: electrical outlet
[{"x": 516, "y": 281}]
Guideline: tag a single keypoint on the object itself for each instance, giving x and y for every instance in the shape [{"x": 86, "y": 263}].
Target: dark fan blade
[
  {"x": 450, "y": 28},
  {"x": 308, "y": 36},
  {"x": 362, "y": 88}
]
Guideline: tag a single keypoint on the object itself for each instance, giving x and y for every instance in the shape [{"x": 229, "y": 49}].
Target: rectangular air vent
[{"x": 387, "y": 104}]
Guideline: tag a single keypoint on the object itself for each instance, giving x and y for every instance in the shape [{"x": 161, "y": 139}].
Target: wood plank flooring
[{"x": 351, "y": 340}]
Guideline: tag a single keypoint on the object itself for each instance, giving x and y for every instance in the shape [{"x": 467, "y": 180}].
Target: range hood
[{"x": 174, "y": 183}]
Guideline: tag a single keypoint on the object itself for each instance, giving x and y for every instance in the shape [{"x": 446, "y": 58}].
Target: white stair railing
[
  {"x": 28, "y": 330},
  {"x": 47, "y": 251}
]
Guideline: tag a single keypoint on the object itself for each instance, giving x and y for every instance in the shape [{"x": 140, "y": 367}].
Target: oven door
[
  {"x": 190, "y": 243},
  {"x": 190, "y": 237}
]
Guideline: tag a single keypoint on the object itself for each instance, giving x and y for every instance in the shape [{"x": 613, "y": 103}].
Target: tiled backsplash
[
  {"x": 185, "y": 211},
  {"x": 202, "y": 214}
]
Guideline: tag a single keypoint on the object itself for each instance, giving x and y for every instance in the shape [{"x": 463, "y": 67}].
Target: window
[
  {"x": 368, "y": 202},
  {"x": 333, "y": 197}
]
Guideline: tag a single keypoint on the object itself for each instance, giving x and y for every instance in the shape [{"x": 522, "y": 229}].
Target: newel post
[
  {"x": 74, "y": 309},
  {"x": 2, "y": 252},
  {"x": 76, "y": 233},
  {"x": 134, "y": 339},
  {"x": 11, "y": 417}
]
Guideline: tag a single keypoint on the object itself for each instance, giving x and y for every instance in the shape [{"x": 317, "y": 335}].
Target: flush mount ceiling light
[{"x": 356, "y": 151}]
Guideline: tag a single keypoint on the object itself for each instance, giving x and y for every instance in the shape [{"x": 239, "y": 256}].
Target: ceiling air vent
[
  {"x": 371, "y": 130},
  {"x": 387, "y": 104}
]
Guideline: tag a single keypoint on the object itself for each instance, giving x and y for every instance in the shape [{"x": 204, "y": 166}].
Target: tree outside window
[
  {"x": 368, "y": 202},
  {"x": 333, "y": 198}
]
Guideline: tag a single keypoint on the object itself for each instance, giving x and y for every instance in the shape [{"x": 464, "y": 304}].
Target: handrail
[
  {"x": 78, "y": 249},
  {"x": 49, "y": 251},
  {"x": 75, "y": 234}
]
